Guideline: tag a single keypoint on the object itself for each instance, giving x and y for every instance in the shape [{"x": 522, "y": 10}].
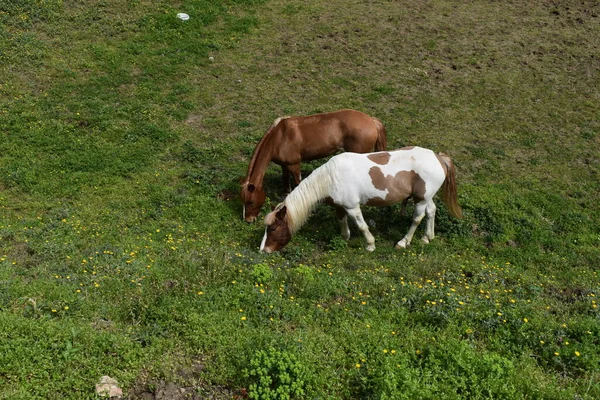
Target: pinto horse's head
[
  {"x": 277, "y": 231},
  {"x": 253, "y": 198}
]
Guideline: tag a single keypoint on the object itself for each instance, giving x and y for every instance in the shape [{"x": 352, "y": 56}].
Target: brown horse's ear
[
  {"x": 251, "y": 187},
  {"x": 282, "y": 212}
]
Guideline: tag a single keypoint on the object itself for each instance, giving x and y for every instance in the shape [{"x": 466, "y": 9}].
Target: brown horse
[{"x": 291, "y": 140}]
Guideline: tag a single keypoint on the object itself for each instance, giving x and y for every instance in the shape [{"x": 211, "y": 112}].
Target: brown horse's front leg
[
  {"x": 287, "y": 188},
  {"x": 295, "y": 170}
]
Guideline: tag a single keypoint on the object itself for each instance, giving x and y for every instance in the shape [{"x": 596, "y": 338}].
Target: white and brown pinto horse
[
  {"x": 291, "y": 140},
  {"x": 377, "y": 179}
]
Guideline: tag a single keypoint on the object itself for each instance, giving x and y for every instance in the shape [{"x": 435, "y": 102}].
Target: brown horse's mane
[{"x": 259, "y": 147}]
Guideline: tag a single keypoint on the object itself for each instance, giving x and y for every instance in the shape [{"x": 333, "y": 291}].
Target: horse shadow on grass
[{"x": 386, "y": 224}]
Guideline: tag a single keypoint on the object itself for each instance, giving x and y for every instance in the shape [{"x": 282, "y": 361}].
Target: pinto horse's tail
[
  {"x": 381, "y": 143},
  {"x": 449, "y": 192}
]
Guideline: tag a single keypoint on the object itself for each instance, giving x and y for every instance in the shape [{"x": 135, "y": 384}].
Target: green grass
[{"x": 123, "y": 132}]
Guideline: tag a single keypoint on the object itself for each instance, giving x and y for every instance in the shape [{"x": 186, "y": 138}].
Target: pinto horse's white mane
[{"x": 302, "y": 201}]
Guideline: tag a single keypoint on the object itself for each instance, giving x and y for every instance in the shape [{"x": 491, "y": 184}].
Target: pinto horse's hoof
[
  {"x": 401, "y": 244},
  {"x": 370, "y": 248}
]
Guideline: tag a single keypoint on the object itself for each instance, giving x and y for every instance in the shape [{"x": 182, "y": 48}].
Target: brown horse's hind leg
[{"x": 403, "y": 208}]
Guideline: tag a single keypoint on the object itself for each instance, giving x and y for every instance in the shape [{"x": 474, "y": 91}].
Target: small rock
[{"x": 108, "y": 387}]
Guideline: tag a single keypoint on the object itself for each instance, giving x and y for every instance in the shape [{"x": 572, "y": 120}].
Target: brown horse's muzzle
[
  {"x": 253, "y": 198},
  {"x": 250, "y": 213}
]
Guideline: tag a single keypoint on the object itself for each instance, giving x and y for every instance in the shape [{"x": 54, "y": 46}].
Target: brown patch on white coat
[
  {"x": 400, "y": 187},
  {"x": 381, "y": 182},
  {"x": 381, "y": 158}
]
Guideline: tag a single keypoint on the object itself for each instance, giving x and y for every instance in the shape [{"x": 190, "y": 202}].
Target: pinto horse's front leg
[
  {"x": 342, "y": 217},
  {"x": 357, "y": 216}
]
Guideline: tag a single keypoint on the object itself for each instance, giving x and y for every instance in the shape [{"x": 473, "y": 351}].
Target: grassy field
[{"x": 124, "y": 132}]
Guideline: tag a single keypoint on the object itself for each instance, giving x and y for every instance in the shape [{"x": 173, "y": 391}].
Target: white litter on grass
[
  {"x": 108, "y": 387},
  {"x": 183, "y": 16}
]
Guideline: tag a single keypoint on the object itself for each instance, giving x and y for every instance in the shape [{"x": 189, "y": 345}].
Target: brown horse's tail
[
  {"x": 449, "y": 192},
  {"x": 381, "y": 143}
]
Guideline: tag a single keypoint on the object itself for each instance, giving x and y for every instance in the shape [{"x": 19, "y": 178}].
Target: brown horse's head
[
  {"x": 277, "y": 232},
  {"x": 253, "y": 198}
]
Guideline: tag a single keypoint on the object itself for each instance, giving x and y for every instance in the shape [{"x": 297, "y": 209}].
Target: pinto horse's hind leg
[
  {"x": 418, "y": 215},
  {"x": 357, "y": 216},
  {"x": 429, "y": 230}
]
